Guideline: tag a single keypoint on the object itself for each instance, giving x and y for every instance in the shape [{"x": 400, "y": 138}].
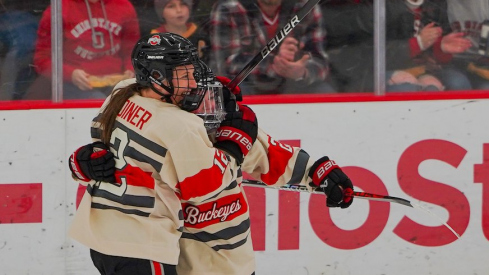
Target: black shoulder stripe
[
  {"x": 135, "y": 154},
  {"x": 299, "y": 167},
  {"x": 150, "y": 145},
  {"x": 96, "y": 133}
]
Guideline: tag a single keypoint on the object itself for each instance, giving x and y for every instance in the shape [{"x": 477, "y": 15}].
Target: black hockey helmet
[{"x": 156, "y": 56}]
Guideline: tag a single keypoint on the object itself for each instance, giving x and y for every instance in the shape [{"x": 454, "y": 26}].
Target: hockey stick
[
  {"x": 360, "y": 195},
  {"x": 272, "y": 44}
]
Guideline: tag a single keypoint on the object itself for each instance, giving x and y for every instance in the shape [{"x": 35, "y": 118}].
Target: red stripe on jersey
[
  {"x": 278, "y": 155},
  {"x": 135, "y": 177},
  {"x": 206, "y": 181},
  {"x": 157, "y": 270},
  {"x": 224, "y": 209}
]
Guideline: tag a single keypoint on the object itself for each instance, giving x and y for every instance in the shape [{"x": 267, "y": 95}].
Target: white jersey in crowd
[
  {"x": 179, "y": 199},
  {"x": 468, "y": 16}
]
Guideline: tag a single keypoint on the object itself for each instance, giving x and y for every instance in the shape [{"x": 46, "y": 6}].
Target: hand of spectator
[
  {"x": 429, "y": 34},
  {"x": 400, "y": 77},
  {"x": 290, "y": 69},
  {"x": 455, "y": 42},
  {"x": 289, "y": 48},
  {"x": 80, "y": 78}
]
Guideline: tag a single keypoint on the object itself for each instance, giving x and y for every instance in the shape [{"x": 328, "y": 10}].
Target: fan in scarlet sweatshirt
[{"x": 98, "y": 36}]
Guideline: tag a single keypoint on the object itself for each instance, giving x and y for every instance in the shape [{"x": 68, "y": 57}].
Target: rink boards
[{"x": 435, "y": 153}]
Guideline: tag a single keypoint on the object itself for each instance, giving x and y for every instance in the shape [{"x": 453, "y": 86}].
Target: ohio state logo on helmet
[{"x": 154, "y": 40}]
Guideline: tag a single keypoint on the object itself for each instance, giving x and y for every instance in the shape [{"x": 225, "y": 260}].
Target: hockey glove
[
  {"x": 93, "y": 162},
  {"x": 237, "y": 133},
  {"x": 328, "y": 176},
  {"x": 230, "y": 97}
]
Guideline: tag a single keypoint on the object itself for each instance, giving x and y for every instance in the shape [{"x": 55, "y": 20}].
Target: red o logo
[{"x": 330, "y": 234}]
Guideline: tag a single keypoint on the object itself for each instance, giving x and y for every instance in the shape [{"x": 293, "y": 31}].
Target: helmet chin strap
[{"x": 164, "y": 97}]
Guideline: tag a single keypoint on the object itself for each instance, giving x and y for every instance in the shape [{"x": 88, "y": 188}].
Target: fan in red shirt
[{"x": 98, "y": 36}]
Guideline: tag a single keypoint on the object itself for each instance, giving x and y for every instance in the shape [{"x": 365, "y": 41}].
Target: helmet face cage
[
  {"x": 211, "y": 109},
  {"x": 188, "y": 87}
]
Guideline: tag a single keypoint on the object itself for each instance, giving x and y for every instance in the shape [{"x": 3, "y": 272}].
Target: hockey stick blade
[
  {"x": 272, "y": 44},
  {"x": 360, "y": 195}
]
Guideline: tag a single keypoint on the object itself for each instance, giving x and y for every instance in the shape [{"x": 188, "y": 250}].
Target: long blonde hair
[{"x": 109, "y": 113}]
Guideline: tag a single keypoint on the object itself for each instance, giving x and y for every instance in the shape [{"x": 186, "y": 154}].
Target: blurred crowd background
[{"x": 431, "y": 45}]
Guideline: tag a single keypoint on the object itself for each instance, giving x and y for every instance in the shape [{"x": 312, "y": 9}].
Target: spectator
[
  {"x": 175, "y": 15},
  {"x": 18, "y": 26},
  {"x": 471, "y": 17},
  {"x": 98, "y": 36},
  {"x": 201, "y": 11},
  {"x": 351, "y": 63},
  {"x": 240, "y": 29},
  {"x": 416, "y": 32},
  {"x": 147, "y": 18},
  {"x": 424, "y": 72}
]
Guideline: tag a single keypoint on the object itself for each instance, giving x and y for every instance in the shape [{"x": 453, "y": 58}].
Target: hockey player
[{"x": 171, "y": 177}]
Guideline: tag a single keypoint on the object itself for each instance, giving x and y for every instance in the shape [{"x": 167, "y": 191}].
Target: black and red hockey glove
[
  {"x": 93, "y": 161},
  {"x": 237, "y": 133},
  {"x": 328, "y": 176},
  {"x": 230, "y": 97}
]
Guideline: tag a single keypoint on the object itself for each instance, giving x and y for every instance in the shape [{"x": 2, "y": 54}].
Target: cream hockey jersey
[{"x": 174, "y": 186}]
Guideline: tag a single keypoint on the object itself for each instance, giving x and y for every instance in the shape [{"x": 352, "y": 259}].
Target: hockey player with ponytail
[{"x": 177, "y": 196}]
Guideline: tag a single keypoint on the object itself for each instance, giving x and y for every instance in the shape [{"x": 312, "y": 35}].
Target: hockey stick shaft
[
  {"x": 272, "y": 44},
  {"x": 361, "y": 195}
]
